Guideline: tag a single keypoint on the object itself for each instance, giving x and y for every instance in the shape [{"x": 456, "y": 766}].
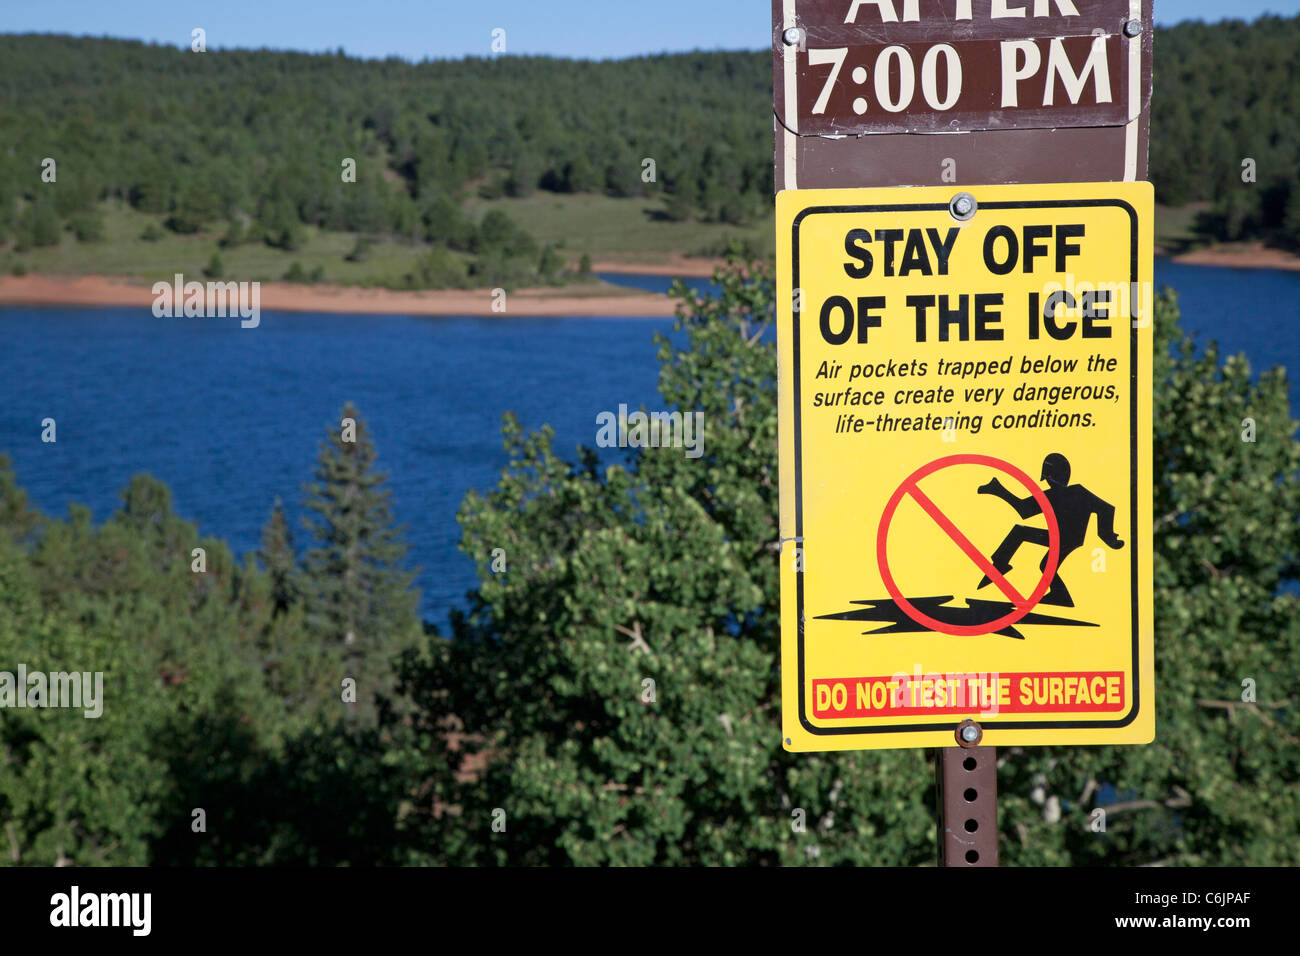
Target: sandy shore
[
  {"x": 1241, "y": 255},
  {"x": 575, "y": 300},
  {"x": 287, "y": 296}
]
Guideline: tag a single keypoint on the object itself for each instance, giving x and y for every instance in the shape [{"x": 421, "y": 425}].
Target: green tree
[
  {"x": 550, "y": 264},
  {"x": 77, "y": 789},
  {"x": 178, "y": 642},
  {"x": 580, "y": 176},
  {"x": 211, "y": 699},
  {"x": 279, "y": 559},
  {"x": 88, "y": 225},
  {"x": 358, "y": 596},
  {"x": 680, "y": 205},
  {"x": 17, "y": 518},
  {"x": 39, "y": 225},
  {"x": 438, "y": 269},
  {"x": 280, "y": 227},
  {"x": 525, "y": 171},
  {"x": 445, "y": 223},
  {"x": 499, "y": 233},
  {"x": 1290, "y": 233},
  {"x": 363, "y": 210},
  {"x": 236, "y": 234},
  {"x": 193, "y": 209}
]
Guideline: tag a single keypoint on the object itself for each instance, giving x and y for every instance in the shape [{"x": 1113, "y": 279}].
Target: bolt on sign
[
  {"x": 965, "y": 446},
  {"x": 844, "y": 69}
]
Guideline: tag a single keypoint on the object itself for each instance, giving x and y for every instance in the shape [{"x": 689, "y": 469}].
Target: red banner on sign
[{"x": 1034, "y": 692}]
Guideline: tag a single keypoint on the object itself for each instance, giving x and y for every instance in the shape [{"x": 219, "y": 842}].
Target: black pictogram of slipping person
[{"x": 1073, "y": 506}]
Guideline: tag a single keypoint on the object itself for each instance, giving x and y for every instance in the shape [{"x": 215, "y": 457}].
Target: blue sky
[{"x": 416, "y": 29}]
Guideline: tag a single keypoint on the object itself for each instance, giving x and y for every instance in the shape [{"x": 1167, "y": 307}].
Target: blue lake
[{"x": 230, "y": 418}]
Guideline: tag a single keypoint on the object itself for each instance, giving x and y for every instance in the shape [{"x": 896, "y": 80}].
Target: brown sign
[
  {"x": 1030, "y": 91},
  {"x": 929, "y": 66},
  {"x": 941, "y": 65}
]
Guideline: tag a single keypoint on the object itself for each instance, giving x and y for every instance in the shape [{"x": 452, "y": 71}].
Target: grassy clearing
[
  {"x": 620, "y": 230},
  {"x": 607, "y": 229},
  {"x": 1174, "y": 225},
  {"x": 124, "y": 253}
]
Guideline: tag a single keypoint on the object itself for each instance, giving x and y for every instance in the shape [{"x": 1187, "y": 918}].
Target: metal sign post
[{"x": 966, "y": 779}]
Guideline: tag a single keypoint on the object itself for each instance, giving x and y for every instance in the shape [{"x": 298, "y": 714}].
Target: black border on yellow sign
[{"x": 1134, "y": 678}]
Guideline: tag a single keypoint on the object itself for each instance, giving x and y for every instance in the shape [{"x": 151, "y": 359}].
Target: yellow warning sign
[{"x": 965, "y": 436}]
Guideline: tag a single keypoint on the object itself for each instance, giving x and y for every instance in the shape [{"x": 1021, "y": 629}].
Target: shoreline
[
  {"x": 277, "y": 296},
  {"x": 1239, "y": 255},
  {"x": 40, "y": 289}
]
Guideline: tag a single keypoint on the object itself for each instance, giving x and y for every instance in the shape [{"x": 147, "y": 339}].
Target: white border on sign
[
  {"x": 790, "y": 167},
  {"x": 1134, "y": 95}
]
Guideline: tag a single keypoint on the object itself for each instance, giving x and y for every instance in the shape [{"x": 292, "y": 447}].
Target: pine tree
[
  {"x": 357, "y": 593},
  {"x": 16, "y": 516},
  {"x": 278, "y": 558}
]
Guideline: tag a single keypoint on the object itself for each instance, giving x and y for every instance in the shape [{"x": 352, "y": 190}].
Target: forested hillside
[
  {"x": 1225, "y": 93},
  {"x": 250, "y": 145}
]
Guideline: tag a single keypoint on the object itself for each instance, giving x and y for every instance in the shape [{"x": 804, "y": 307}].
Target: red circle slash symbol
[{"x": 1023, "y": 605}]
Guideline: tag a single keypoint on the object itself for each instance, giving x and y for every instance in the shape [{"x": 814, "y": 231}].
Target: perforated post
[{"x": 967, "y": 778}]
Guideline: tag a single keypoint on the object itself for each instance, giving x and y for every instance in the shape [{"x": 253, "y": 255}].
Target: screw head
[
  {"x": 970, "y": 733},
  {"x": 962, "y": 206},
  {"x": 1132, "y": 28},
  {"x": 792, "y": 36}
]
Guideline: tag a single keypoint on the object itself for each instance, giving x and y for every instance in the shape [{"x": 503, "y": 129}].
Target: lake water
[{"x": 230, "y": 418}]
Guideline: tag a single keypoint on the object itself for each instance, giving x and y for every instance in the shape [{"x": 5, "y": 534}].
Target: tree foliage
[
  {"x": 358, "y": 599},
  {"x": 220, "y": 703},
  {"x": 664, "y": 568}
]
